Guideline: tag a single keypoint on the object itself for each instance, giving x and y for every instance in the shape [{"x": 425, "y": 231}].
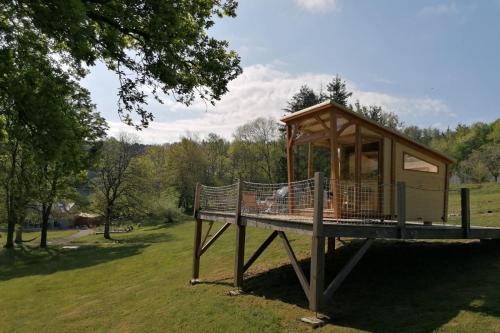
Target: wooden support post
[
  {"x": 334, "y": 166},
  {"x": 401, "y": 195},
  {"x": 197, "y": 236},
  {"x": 317, "y": 274},
  {"x": 239, "y": 255},
  {"x": 465, "y": 205},
  {"x": 358, "y": 146},
  {"x": 393, "y": 178},
  {"x": 310, "y": 160},
  {"x": 446, "y": 189},
  {"x": 290, "y": 171}
]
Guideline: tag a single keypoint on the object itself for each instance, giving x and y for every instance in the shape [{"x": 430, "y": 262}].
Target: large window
[{"x": 411, "y": 162}]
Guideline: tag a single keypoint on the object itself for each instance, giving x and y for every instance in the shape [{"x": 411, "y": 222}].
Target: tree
[
  {"x": 76, "y": 134},
  {"x": 375, "y": 113},
  {"x": 423, "y": 135},
  {"x": 34, "y": 94},
  {"x": 216, "y": 150},
  {"x": 187, "y": 163},
  {"x": 162, "y": 45},
  {"x": 337, "y": 91},
  {"x": 305, "y": 98},
  {"x": 113, "y": 181},
  {"x": 472, "y": 170},
  {"x": 261, "y": 136},
  {"x": 17, "y": 162},
  {"x": 494, "y": 135},
  {"x": 489, "y": 154},
  {"x": 151, "y": 194}
]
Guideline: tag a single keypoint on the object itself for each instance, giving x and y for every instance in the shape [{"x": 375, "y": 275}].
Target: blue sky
[{"x": 434, "y": 63}]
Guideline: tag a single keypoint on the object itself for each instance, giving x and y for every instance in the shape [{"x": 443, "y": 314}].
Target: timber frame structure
[{"x": 316, "y": 207}]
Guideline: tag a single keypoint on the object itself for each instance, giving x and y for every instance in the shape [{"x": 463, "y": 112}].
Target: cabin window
[{"x": 414, "y": 163}]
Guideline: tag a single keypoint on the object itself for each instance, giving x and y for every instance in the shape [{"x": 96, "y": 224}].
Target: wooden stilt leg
[
  {"x": 239, "y": 254},
  {"x": 196, "y": 251},
  {"x": 197, "y": 237},
  {"x": 317, "y": 274}
]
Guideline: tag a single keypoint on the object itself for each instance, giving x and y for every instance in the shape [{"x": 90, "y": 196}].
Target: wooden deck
[
  {"x": 354, "y": 228},
  {"x": 321, "y": 228}
]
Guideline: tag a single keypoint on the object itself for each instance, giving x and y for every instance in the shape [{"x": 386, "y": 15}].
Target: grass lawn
[
  {"x": 484, "y": 204},
  {"x": 34, "y": 236},
  {"x": 140, "y": 284}
]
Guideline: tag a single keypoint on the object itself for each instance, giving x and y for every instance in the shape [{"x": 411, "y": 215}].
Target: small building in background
[{"x": 88, "y": 219}]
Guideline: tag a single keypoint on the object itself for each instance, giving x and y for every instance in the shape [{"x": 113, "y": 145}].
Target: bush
[{"x": 166, "y": 211}]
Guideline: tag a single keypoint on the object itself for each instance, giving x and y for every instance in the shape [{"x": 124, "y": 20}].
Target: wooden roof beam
[
  {"x": 309, "y": 138},
  {"x": 322, "y": 122},
  {"x": 344, "y": 127}
]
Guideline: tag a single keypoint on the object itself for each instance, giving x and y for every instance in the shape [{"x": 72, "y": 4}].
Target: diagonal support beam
[
  {"x": 337, "y": 281},
  {"x": 207, "y": 233},
  {"x": 214, "y": 238},
  {"x": 295, "y": 264},
  {"x": 260, "y": 250},
  {"x": 322, "y": 122}
]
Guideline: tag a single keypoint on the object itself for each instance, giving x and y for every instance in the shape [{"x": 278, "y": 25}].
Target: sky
[{"x": 433, "y": 63}]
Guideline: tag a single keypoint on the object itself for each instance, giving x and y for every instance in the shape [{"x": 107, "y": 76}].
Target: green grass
[
  {"x": 484, "y": 203},
  {"x": 34, "y": 237},
  {"x": 140, "y": 284}
]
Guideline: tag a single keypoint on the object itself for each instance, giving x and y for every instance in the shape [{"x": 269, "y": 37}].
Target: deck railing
[{"x": 347, "y": 202}]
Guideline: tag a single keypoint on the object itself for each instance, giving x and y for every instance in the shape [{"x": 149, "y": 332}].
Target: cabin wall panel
[{"x": 427, "y": 203}]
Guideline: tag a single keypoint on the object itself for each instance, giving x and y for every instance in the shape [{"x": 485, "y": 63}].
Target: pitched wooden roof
[{"x": 320, "y": 111}]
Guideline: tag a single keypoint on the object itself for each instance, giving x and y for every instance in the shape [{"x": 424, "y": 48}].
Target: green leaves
[{"x": 155, "y": 44}]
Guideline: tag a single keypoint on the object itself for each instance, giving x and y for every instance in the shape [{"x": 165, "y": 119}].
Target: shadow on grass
[
  {"x": 400, "y": 286},
  {"x": 26, "y": 261}
]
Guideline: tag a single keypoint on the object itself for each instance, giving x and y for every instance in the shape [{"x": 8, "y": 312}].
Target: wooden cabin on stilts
[{"x": 379, "y": 185}]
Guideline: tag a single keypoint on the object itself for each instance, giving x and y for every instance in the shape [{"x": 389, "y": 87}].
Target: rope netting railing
[
  {"x": 283, "y": 199},
  {"x": 219, "y": 199},
  {"x": 346, "y": 201},
  {"x": 363, "y": 202},
  {"x": 349, "y": 202}
]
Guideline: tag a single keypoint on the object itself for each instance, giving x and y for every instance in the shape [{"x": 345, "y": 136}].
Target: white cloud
[
  {"x": 438, "y": 10},
  {"x": 407, "y": 108},
  {"x": 263, "y": 91},
  {"x": 318, "y": 6}
]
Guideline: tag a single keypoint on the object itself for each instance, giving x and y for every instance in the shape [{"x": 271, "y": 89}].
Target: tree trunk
[
  {"x": 11, "y": 213},
  {"x": 11, "y": 222},
  {"x": 19, "y": 235},
  {"x": 11, "y": 225},
  {"x": 107, "y": 223},
  {"x": 45, "y": 224}
]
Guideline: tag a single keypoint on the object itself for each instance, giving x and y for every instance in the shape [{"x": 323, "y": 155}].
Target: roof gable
[{"x": 324, "y": 107}]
